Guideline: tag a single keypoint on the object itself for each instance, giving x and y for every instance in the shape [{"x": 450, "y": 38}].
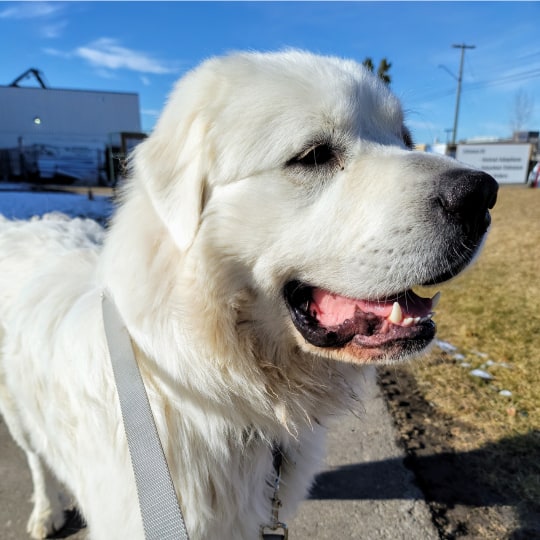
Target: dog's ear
[{"x": 171, "y": 163}]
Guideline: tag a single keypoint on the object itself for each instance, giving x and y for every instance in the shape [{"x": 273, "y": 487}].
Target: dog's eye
[{"x": 316, "y": 156}]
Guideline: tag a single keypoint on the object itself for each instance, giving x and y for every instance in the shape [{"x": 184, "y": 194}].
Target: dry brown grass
[
  {"x": 492, "y": 312},
  {"x": 493, "y": 309}
]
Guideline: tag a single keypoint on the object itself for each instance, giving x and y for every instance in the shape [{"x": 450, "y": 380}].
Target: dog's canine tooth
[
  {"x": 435, "y": 300},
  {"x": 396, "y": 316}
]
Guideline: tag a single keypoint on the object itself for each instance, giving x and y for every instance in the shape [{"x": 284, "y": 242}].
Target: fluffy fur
[{"x": 218, "y": 215}]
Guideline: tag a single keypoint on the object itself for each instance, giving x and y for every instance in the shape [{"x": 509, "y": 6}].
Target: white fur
[{"x": 212, "y": 225}]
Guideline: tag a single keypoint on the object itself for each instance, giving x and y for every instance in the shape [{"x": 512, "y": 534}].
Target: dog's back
[
  {"x": 55, "y": 248},
  {"x": 47, "y": 282}
]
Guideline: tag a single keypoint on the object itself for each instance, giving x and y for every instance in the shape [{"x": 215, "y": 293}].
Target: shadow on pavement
[{"x": 448, "y": 479}]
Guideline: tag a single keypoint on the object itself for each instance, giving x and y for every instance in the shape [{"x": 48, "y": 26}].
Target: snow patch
[{"x": 28, "y": 204}]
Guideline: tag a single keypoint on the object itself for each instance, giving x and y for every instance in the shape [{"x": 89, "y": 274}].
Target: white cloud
[
  {"x": 151, "y": 112},
  {"x": 30, "y": 10},
  {"x": 53, "y": 30},
  {"x": 45, "y": 12},
  {"x": 55, "y": 52},
  {"x": 423, "y": 124},
  {"x": 109, "y": 54},
  {"x": 106, "y": 73}
]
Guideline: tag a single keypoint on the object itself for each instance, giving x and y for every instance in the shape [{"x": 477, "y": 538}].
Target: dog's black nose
[{"x": 466, "y": 195}]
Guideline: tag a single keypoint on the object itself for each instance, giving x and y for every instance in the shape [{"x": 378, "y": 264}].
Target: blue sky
[{"x": 144, "y": 47}]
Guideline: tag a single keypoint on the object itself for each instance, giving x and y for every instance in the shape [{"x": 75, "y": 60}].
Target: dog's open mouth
[{"x": 326, "y": 319}]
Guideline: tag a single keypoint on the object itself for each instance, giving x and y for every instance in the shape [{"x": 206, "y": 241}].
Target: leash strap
[{"x": 161, "y": 514}]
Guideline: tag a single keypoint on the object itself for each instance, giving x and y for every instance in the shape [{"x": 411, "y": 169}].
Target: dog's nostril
[{"x": 466, "y": 195}]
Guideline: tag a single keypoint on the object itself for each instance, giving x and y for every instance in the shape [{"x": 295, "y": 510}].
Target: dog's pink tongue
[{"x": 332, "y": 309}]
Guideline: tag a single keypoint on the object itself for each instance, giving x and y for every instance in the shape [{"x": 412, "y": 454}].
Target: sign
[{"x": 507, "y": 163}]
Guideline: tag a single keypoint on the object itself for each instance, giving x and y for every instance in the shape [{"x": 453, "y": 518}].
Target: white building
[{"x": 51, "y": 133}]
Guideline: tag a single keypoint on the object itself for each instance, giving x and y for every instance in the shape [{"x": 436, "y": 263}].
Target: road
[{"x": 366, "y": 493}]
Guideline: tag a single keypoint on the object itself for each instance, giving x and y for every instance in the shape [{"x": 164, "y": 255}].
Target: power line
[
  {"x": 479, "y": 85},
  {"x": 524, "y": 75},
  {"x": 504, "y": 64}
]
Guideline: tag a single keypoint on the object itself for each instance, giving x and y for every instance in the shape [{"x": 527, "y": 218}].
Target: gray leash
[{"x": 160, "y": 511}]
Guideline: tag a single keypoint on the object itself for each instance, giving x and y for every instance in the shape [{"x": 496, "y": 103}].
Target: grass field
[{"x": 491, "y": 314}]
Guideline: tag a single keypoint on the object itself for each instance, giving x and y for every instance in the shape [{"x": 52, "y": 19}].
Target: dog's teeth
[
  {"x": 416, "y": 320},
  {"x": 435, "y": 300},
  {"x": 409, "y": 321},
  {"x": 396, "y": 316}
]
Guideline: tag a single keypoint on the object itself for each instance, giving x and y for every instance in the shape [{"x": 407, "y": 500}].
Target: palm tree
[{"x": 382, "y": 70}]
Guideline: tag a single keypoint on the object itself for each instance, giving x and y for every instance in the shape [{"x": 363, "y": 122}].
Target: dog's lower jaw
[{"x": 363, "y": 357}]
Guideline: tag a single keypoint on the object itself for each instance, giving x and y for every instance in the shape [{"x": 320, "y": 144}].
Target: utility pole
[{"x": 462, "y": 46}]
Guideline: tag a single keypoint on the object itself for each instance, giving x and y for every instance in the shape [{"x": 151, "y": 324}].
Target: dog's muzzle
[{"x": 401, "y": 323}]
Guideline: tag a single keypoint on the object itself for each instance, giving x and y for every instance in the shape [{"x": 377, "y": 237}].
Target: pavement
[{"x": 365, "y": 493}]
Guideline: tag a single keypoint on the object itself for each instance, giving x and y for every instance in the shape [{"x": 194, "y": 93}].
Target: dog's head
[{"x": 294, "y": 175}]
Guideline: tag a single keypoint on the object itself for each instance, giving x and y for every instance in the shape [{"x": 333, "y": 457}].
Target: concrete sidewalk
[{"x": 365, "y": 494}]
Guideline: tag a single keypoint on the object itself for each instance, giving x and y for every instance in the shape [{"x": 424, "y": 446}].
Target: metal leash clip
[{"x": 278, "y": 531}]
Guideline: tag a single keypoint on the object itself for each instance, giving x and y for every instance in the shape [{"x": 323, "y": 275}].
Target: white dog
[{"x": 263, "y": 255}]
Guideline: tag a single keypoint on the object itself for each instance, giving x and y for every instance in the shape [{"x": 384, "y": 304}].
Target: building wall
[{"x": 65, "y": 116}]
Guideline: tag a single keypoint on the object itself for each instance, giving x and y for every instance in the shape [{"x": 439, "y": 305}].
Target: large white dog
[{"x": 263, "y": 255}]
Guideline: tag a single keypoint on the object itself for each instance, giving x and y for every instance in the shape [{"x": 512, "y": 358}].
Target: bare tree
[{"x": 521, "y": 111}]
